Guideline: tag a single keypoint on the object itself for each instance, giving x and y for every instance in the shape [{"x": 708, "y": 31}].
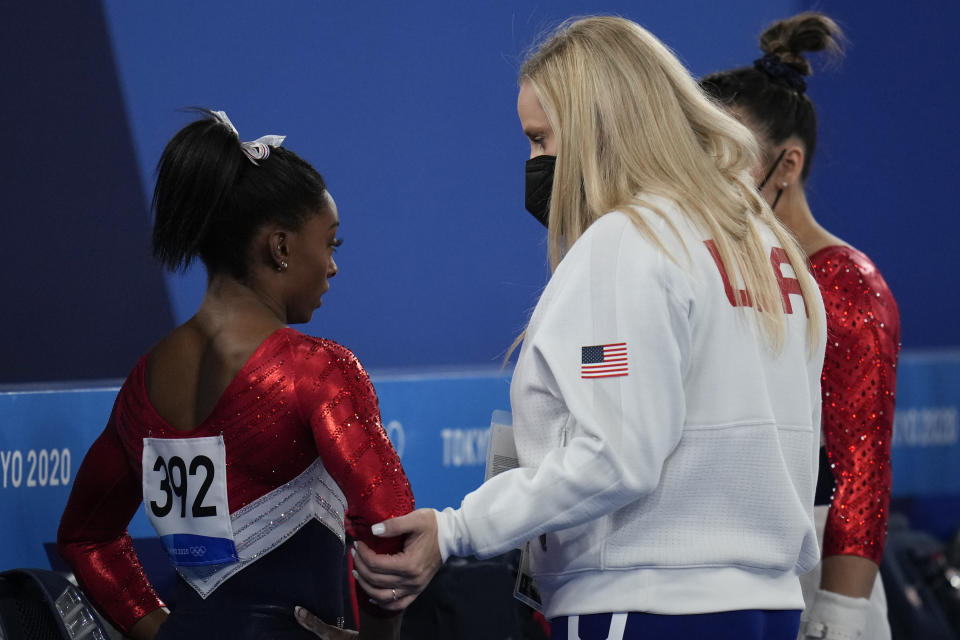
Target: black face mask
[
  {"x": 539, "y": 187},
  {"x": 769, "y": 175}
]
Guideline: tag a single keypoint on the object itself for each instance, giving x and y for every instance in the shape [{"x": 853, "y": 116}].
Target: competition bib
[{"x": 185, "y": 497}]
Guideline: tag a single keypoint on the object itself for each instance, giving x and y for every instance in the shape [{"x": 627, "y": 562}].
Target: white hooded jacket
[{"x": 674, "y": 476}]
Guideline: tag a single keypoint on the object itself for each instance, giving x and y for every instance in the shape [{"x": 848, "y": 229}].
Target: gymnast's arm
[
  {"x": 338, "y": 399},
  {"x": 93, "y": 538},
  {"x": 859, "y": 381},
  {"x": 853, "y": 540}
]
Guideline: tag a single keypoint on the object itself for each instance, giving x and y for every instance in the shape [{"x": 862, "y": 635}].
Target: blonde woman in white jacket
[{"x": 666, "y": 397}]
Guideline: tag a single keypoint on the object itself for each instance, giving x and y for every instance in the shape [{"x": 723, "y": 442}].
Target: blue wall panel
[
  {"x": 438, "y": 424},
  {"x": 407, "y": 108},
  {"x": 81, "y": 296},
  {"x": 884, "y": 175},
  {"x": 409, "y": 112}
]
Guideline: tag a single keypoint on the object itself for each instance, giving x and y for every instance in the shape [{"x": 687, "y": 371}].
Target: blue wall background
[
  {"x": 409, "y": 111},
  {"x": 884, "y": 175},
  {"x": 80, "y": 293}
]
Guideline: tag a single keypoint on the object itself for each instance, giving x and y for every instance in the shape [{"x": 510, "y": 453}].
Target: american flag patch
[{"x": 604, "y": 361}]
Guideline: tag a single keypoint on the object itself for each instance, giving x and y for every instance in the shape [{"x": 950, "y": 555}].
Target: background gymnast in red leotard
[{"x": 844, "y": 595}]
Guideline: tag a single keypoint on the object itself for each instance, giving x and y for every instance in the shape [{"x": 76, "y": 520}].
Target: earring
[
  {"x": 282, "y": 266},
  {"x": 784, "y": 185}
]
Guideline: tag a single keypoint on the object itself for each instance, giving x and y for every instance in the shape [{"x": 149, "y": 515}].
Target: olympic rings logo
[
  {"x": 398, "y": 438},
  {"x": 197, "y": 551}
]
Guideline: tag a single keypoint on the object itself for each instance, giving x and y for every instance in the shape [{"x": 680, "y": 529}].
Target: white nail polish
[{"x": 378, "y": 529}]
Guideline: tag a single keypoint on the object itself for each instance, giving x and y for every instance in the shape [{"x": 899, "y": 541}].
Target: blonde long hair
[{"x": 629, "y": 119}]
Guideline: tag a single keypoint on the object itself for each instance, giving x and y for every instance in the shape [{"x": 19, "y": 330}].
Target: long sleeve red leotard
[
  {"x": 859, "y": 380},
  {"x": 295, "y": 399}
]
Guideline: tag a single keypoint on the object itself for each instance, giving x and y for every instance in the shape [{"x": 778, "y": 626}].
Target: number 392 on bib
[{"x": 185, "y": 497}]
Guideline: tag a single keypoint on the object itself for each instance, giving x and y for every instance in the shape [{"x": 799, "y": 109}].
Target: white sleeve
[{"x": 620, "y": 429}]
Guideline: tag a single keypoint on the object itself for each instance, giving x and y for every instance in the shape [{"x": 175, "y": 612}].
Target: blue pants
[{"x": 751, "y": 624}]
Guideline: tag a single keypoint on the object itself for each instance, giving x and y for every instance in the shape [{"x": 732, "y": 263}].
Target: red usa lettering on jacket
[{"x": 788, "y": 285}]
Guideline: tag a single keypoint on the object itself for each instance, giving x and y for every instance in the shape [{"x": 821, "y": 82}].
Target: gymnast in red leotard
[
  {"x": 252, "y": 446},
  {"x": 844, "y": 596}
]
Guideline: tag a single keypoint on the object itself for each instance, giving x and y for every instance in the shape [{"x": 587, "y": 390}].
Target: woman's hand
[
  {"x": 322, "y": 630},
  {"x": 393, "y": 581}
]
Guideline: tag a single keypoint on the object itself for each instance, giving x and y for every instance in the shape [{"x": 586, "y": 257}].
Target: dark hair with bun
[
  {"x": 210, "y": 199},
  {"x": 773, "y": 91}
]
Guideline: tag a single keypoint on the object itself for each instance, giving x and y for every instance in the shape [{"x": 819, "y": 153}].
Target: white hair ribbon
[{"x": 258, "y": 149}]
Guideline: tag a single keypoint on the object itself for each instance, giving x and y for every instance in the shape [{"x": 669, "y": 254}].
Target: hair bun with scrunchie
[{"x": 773, "y": 66}]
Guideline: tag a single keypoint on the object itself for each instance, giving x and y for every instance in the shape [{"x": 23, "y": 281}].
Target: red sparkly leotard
[
  {"x": 858, "y": 383},
  {"x": 296, "y": 399}
]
